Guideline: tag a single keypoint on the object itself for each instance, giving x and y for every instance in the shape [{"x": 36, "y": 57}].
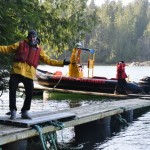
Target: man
[
  {"x": 28, "y": 53},
  {"x": 121, "y": 77}
]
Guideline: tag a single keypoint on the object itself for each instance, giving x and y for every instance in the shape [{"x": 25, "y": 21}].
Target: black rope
[{"x": 121, "y": 120}]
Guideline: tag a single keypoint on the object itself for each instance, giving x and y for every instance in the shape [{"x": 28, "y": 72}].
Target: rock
[{"x": 146, "y": 63}]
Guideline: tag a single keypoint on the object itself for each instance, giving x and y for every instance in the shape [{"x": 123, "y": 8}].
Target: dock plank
[
  {"x": 37, "y": 86},
  {"x": 145, "y": 97},
  {"x": 83, "y": 114},
  {"x": 36, "y": 120}
]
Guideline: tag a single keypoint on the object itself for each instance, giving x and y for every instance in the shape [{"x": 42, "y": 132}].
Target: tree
[{"x": 60, "y": 24}]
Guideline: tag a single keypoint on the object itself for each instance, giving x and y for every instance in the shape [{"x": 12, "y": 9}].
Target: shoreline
[{"x": 135, "y": 63}]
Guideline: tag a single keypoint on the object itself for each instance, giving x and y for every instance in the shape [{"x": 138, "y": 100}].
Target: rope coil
[
  {"x": 49, "y": 139},
  {"x": 121, "y": 120}
]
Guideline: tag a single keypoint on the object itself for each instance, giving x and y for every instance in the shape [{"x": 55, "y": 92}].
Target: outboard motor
[{"x": 145, "y": 84}]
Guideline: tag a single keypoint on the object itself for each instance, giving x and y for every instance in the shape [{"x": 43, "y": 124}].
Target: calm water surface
[
  {"x": 134, "y": 72},
  {"x": 134, "y": 137}
]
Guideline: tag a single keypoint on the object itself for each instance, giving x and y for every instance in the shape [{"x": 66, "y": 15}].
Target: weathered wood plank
[
  {"x": 138, "y": 95},
  {"x": 40, "y": 87},
  {"x": 37, "y": 120},
  {"x": 145, "y": 97}
]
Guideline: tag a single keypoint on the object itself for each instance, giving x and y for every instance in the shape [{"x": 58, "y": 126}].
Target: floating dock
[
  {"x": 108, "y": 95},
  {"x": 15, "y": 130},
  {"x": 45, "y": 88}
]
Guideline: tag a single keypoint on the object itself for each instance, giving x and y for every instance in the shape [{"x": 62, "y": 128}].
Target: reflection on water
[
  {"x": 91, "y": 133},
  {"x": 97, "y": 135}
]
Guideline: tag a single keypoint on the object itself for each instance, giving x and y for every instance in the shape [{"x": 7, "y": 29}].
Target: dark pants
[
  {"x": 121, "y": 86},
  {"x": 15, "y": 79}
]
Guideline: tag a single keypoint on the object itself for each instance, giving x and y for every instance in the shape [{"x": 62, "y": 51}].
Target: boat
[
  {"x": 145, "y": 84},
  {"x": 94, "y": 84},
  {"x": 76, "y": 80}
]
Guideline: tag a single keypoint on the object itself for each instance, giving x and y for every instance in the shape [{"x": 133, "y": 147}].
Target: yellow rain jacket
[{"x": 23, "y": 68}]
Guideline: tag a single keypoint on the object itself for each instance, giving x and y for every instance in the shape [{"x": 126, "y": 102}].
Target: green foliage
[
  {"x": 116, "y": 32},
  {"x": 60, "y": 24},
  {"x": 123, "y": 32},
  {"x": 67, "y": 23}
]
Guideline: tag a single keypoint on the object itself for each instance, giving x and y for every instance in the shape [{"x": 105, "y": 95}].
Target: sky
[{"x": 125, "y": 2}]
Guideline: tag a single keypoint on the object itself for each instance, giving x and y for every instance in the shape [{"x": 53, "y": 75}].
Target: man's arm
[
  {"x": 45, "y": 59},
  {"x": 9, "y": 48}
]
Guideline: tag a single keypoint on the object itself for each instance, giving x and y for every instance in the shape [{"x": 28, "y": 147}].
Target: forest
[
  {"x": 123, "y": 32},
  {"x": 116, "y": 32}
]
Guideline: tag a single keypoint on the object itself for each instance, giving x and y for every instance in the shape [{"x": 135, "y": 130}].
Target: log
[{"x": 44, "y": 88}]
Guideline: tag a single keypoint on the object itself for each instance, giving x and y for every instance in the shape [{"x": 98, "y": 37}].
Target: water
[
  {"x": 135, "y": 73},
  {"x": 134, "y": 137}
]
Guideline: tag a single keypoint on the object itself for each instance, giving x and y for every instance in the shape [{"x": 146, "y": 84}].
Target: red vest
[
  {"x": 121, "y": 72},
  {"x": 27, "y": 54}
]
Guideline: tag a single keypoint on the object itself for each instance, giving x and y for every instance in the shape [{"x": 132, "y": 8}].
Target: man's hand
[
  {"x": 91, "y": 51},
  {"x": 66, "y": 62}
]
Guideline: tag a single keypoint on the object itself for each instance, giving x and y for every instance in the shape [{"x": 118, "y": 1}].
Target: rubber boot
[
  {"x": 25, "y": 115},
  {"x": 12, "y": 114}
]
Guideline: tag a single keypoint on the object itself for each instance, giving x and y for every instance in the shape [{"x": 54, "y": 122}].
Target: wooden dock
[
  {"x": 79, "y": 115},
  {"x": 108, "y": 95},
  {"x": 48, "y": 89}
]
